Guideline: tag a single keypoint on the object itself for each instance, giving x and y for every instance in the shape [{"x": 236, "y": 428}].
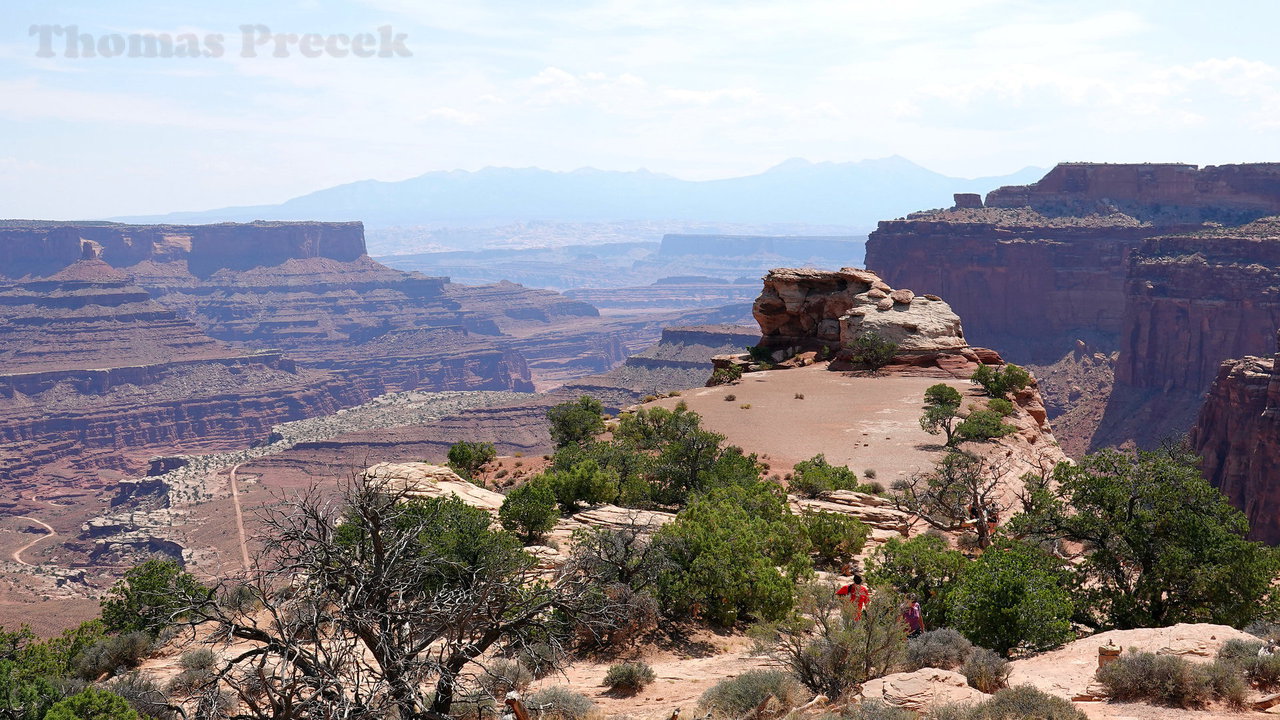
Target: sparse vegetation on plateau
[{"x": 872, "y": 350}]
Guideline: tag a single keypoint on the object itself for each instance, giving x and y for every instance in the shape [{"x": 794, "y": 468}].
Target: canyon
[{"x": 126, "y": 341}]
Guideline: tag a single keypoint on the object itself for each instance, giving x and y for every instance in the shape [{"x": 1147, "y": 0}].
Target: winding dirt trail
[
  {"x": 17, "y": 554},
  {"x": 235, "y": 500}
]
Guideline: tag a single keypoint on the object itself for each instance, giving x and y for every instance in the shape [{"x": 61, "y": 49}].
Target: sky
[{"x": 697, "y": 90}]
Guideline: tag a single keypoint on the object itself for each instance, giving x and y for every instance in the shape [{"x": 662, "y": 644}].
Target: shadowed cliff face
[
  {"x": 1237, "y": 436},
  {"x": 1119, "y": 257}
]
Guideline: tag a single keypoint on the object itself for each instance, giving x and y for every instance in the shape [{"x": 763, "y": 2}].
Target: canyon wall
[
  {"x": 1193, "y": 300},
  {"x": 1237, "y": 436},
  {"x": 1026, "y": 284},
  {"x": 95, "y": 374}
]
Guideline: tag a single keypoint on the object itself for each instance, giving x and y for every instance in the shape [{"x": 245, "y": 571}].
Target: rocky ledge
[{"x": 803, "y": 310}]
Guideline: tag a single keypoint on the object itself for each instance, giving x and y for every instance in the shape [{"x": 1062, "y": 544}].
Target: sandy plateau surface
[{"x": 855, "y": 420}]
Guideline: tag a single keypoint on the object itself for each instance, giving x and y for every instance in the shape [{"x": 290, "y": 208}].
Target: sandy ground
[{"x": 859, "y": 421}]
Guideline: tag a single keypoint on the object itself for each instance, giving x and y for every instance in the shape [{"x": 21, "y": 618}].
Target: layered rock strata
[{"x": 1237, "y": 436}]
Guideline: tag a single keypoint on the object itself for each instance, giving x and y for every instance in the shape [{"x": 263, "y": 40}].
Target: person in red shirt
[{"x": 858, "y": 594}]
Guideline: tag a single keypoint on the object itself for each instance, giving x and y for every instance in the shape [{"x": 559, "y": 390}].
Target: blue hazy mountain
[{"x": 853, "y": 194}]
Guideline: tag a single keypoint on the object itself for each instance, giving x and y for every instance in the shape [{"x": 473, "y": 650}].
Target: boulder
[
  {"x": 418, "y": 479},
  {"x": 921, "y": 690}
]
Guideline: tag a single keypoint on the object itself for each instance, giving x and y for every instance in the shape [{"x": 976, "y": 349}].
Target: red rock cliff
[{"x": 1237, "y": 436}]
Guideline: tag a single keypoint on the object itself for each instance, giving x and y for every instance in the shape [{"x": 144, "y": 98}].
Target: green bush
[
  {"x": 942, "y": 394},
  {"x": 530, "y": 510},
  {"x": 113, "y": 654},
  {"x": 983, "y": 425},
  {"x": 1000, "y": 382},
  {"x": 150, "y": 597},
  {"x": 1240, "y": 651},
  {"x": 761, "y": 356},
  {"x": 725, "y": 375},
  {"x": 143, "y": 694},
  {"x": 189, "y": 682},
  {"x": 1015, "y": 595},
  {"x": 629, "y": 677},
  {"x": 738, "y": 696},
  {"x": 828, "y": 647},
  {"x": 1000, "y": 406},
  {"x": 924, "y": 566},
  {"x": 814, "y": 477},
  {"x": 576, "y": 422},
  {"x": 835, "y": 537},
  {"x": 466, "y": 458},
  {"x": 1264, "y": 672},
  {"x": 985, "y": 670},
  {"x": 560, "y": 703},
  {"x": 92, "y": 704},
  {"x": 584, "y": 483},
  {"x": 1022, "y": 702},
  {"x": 943, "y": 648},
  {"x": 732, "y": 553},
  {"x": 1172, "y": 681},
  {"x": 872, "y": 349}
]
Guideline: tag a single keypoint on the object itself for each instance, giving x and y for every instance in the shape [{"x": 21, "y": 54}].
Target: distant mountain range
[{"x": 853, "y": 194}]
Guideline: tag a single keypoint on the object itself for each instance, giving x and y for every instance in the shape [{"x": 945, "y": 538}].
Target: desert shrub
[
  {"x": 1015, "y": 595},
  {"x": 189, "y": 682},
  {"x": 472, "y": 706},
  {"x": 983, "y": 425},
  {"x": 530, "y": 510},
  {"x": 1264, "y": 629},
  {"x": 541, "y": 657},
  {"x": 629, "y": 677},
  {"x": 828, "y": 647},
  {"x": 733, "y": 552},
  {"x": 584, "y": 483},
  {"x": 1000, "y": 406},
  {"x": 924, "y": 566},
  {"x": 201, "y": 659},
  {"x": 1000, "y": 382},
  {"x": 744, "y": 406},
  {"x": 1228, "y": 684},
  {"x": 113, "y": 654},
  {"x": 503, "y": 676},
  {"x": 799, "y": 396},
  {"x": 560, "y": 703},
  {"x": 815, "y": 476},
  {"x": 466, "y": 458},
  {"x": 143, "y": 694},
  {"x": 240, "y": 599},
  {"x": 943, "y": 648},
  {"x": 872, "y": 349},
  {"x": 730, "y": 397},
  {"x": 1161, "y": 679},
  {"x": 835, "y": 537},
  {"x": 985, "y": 670},
  {"x": 92, "y": 704},
  {"x": 577, "y": 421},
  {"x": 725, "y": 375},
  {"x": 1016, "y": 703},
  {"x": 869, "y": 474},
  {"x": 871, "y": 710},
  {"x": 942, "y": 394},
  {"x": 149, "y": 597},
  {"x": 1263, "y": 671},
  {"x": 1239, "y": 650},
  {"x": 738, "y": 696},
  {"x": 761, "y": 355}
]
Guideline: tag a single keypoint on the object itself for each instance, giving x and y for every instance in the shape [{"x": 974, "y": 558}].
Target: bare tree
[
  {"x": 378, "y": 605},
  {"x": 964, "y": 492}
]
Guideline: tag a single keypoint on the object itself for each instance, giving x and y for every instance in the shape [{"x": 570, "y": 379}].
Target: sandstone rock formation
[
  {"x": 424, "y": 480},
  {"x": 1069, "y": 671},
  {"x": 921, "y": 690},
  {"x": 804, "y": 309},
  {"x": 1237, "y": 436}
]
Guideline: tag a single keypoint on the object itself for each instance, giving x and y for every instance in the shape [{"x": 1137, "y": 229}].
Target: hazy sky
[{"x": 693, "y": 88}]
